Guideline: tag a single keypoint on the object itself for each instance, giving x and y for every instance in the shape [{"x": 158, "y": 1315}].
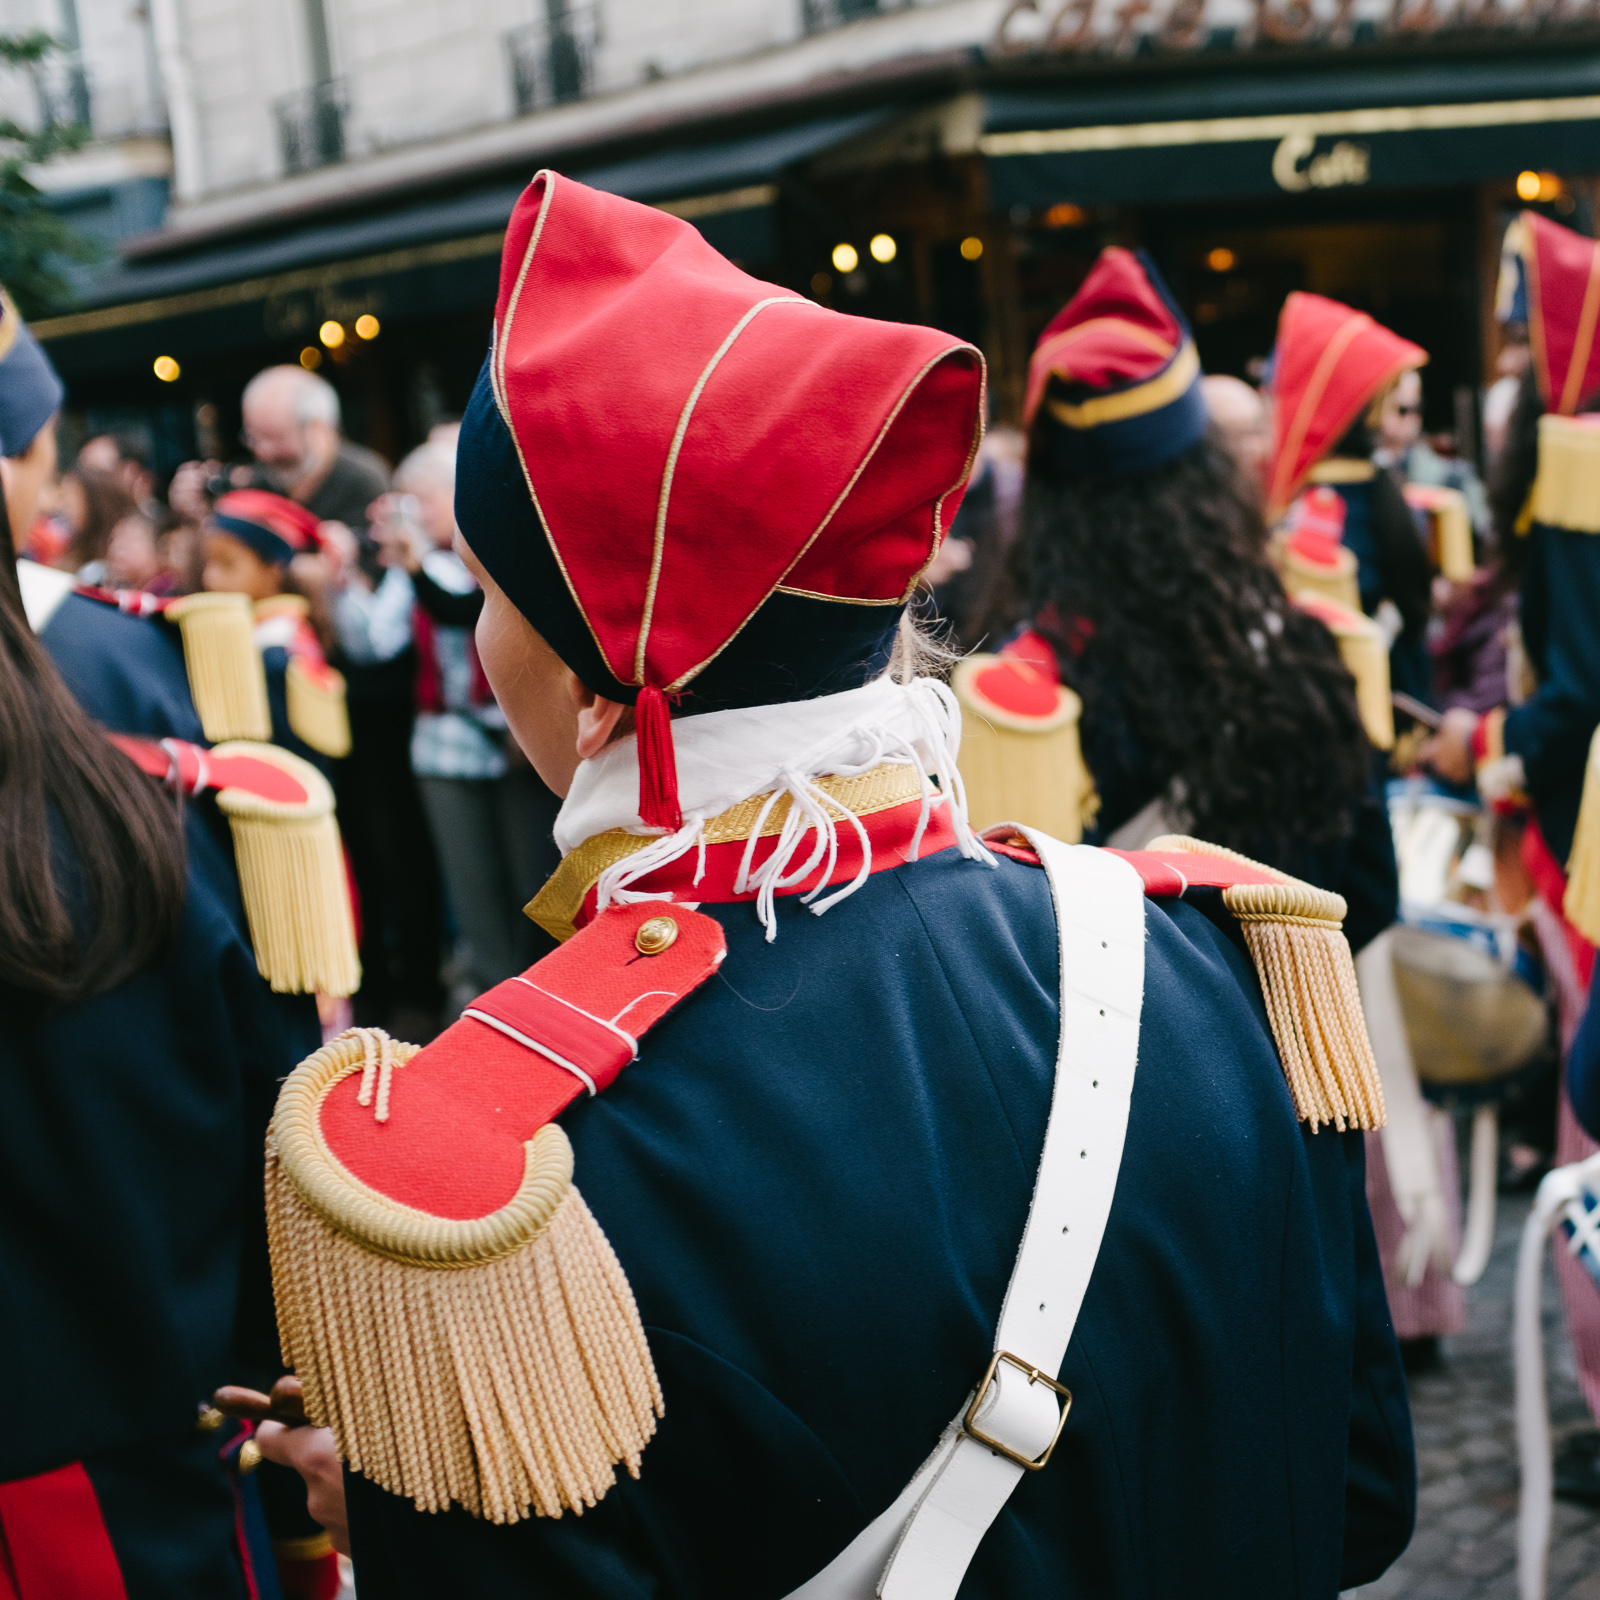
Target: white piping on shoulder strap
[{"x": 921, "y": 1547}]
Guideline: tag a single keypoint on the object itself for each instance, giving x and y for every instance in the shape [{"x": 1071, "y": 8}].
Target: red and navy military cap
[
  {"x": 694, "y": 484},
  {"x": 274, "y": 526},
  {"x": 1550, "y": 278},
  {"x": 1329, "y": 364},
  {"x": 30, "y": 391},
  {"x": 1114, "y": 383}
]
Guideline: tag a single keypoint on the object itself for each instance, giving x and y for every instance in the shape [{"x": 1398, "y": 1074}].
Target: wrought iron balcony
[
  {"x": 311, "y": 125},
  {"x": 62, "y": 85},
  {"x": 553, "y": 61}
]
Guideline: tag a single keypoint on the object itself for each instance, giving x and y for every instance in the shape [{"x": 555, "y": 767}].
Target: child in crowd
[{"x": 268, "y": 548}]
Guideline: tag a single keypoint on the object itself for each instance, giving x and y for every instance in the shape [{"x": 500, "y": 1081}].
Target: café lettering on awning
[{"x": 1320, "y": 120}]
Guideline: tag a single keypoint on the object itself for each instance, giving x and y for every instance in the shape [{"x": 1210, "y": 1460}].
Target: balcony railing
[
  {"x": 62, "y": 85},
  {"x": 817, "y": 16},
  {"x": 553, "y": 62},
  {"x": 311, "y": 125}
]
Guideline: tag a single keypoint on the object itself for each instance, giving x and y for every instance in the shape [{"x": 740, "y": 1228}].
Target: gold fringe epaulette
[
  {"x": 292, "y": 874},
  {"x": 1365, "y": 655},
  {"x": 1295, "y": 935},
  {"x": 1020, "y": 759},
  {"x": 226, "y": 678},
  {"x": 1581, "y": 905},
  {"x": 1566, "y": 491},
  {"x": 317, "y": 710},
  {"x": 497, "y": 1363},
  {"x": 452, "y": 1308}
]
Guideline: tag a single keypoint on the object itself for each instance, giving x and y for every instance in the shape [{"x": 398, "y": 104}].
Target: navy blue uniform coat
[{"x": 816, "y": 1176}]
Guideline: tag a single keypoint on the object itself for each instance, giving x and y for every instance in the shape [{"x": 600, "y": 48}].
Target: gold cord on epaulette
[
  {"x": 1295, "y": 935},
  {"x": 497, "y": 1363},
  {"x": 226, "y": 678},
  {"x": 317, "y": 710},
  {"x": 292, "y": 875}
]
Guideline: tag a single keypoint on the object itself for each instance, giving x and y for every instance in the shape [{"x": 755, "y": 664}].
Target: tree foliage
[{"x": 35, "y": 243}]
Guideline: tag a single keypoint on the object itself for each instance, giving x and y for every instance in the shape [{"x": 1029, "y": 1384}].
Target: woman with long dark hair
[
  {"x": 1211, "y": 704},
  {"x": 139, "y": 1051}
]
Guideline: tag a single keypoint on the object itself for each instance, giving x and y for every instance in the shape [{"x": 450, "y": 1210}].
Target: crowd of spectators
[{"x": 447, "y": 829}]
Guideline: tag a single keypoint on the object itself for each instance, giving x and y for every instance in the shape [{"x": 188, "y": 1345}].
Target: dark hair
[
  {"x": 1511, "y": 480},
  {"x": 1167, "y": 615},
  {"x": 106, "y": 503},
  {"x": 62, "y": 780}
]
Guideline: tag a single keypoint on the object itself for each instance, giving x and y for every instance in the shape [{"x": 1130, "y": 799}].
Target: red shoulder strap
[
  {"x": 459, "y": 1114},
  {"x": 134, "y": 601},
  {"x": 1164, "y": 873}
]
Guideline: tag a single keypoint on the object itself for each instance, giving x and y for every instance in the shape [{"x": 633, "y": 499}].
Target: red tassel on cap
[{"x": 658, "y": 762}]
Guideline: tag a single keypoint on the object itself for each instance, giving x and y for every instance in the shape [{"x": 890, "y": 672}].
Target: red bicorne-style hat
[
  {"x": 1561, "y": 275},
  {"x": 1114, "y": 381},
  {"x": 274, "y": 526},
  {"x": 730, "y": 478},
  {"x": 1330, "y": 363}
]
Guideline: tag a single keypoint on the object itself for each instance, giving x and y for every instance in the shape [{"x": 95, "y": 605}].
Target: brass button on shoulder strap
[{"x": 656, "y": 935}]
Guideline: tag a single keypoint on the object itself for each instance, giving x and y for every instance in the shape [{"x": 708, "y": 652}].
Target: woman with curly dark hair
[{"x": 1211, "y": 704}]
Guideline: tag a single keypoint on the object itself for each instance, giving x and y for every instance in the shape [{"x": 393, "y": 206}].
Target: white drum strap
[{"x": 921, "y": 1547}]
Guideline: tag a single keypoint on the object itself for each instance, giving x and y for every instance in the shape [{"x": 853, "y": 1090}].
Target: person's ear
[{"x": 597, "y": 717}]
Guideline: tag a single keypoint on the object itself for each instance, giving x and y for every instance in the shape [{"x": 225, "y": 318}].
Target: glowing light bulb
[
  {"x": 882, "y": 247},
  {"x": 1221, "y": 259},
  {"x": 845, "y": 258},
  {"x": 367, "y": 327},
  {"x": 971, "y": 247},
  {"x": 166, "y": 369},
  {"x": 1528, "y": 186},
  {"x": 331, "y": 334}
]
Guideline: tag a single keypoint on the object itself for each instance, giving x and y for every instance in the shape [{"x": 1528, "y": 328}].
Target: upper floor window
[
  {"x": 311, "y": 125},
  {"x": 553, "y": 61}
]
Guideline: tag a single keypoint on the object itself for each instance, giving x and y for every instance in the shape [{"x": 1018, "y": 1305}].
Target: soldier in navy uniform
[
  {"x": 1210, "y": 704},
  {"x": 807, "y": 1051},
  {"x": 140, "y": 1051},
  {"x": 1535, "y": 757}
]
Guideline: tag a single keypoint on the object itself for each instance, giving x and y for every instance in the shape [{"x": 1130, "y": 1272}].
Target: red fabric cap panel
[
  {"x": 1563, "y": 272},
  {"x": 286, "y": 518},
  {"x": 53, "y": 1539},
  {"x": 461, "y": 1110},
  {"x": 1331, "y": 362},
  {"x": 690, "y": 433},
  {"x": 1115, "y": 331}
]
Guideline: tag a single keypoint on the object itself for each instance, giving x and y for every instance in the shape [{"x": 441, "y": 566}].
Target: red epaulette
[
  {"x": 1020, "y": 687},
  {"x": 1164, "y": 873},
  {"x": 286, "y": 844},
  {"x": 136, "y": 602},
  {"x": 1294, "y": 933},
  {"x": 420, "y": 1205}
]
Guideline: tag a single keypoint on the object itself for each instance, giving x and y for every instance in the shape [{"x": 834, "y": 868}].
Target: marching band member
[
  {"x": 864, "y": 1037},
  {"x": 138, "y": 1065},
  {"x": 1332, "y": 369},
  {"x": 1538, "y": 757}
]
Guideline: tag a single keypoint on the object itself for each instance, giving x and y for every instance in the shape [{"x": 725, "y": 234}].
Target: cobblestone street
[{"x": 1465, "y": 1546}]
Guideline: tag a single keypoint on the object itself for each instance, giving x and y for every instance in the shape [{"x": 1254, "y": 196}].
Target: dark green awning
[{"x": 1292, "y": 132}]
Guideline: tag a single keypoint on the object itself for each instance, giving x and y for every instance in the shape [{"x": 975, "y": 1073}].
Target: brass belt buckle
[{"x": 970, "y": 1427}]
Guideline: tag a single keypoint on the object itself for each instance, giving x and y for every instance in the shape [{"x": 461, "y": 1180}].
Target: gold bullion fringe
[
  {"x": 226, "y": 678},
  {"x": 1295, "y": 935},
  {"x": 292, "y": 874},
  {"x": 1581, "y": 905},
  {"x": 317, "y": 711},
  {"x": 510, "y": 1385}
]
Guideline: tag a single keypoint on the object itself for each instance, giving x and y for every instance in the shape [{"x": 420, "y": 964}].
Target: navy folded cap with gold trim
[
  {"x": 1114, "y": 382},
  {"x": 30, "y": 391}
]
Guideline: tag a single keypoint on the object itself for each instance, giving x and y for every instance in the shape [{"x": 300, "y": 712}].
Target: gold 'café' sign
[{"x": 1296, "y": 164}]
